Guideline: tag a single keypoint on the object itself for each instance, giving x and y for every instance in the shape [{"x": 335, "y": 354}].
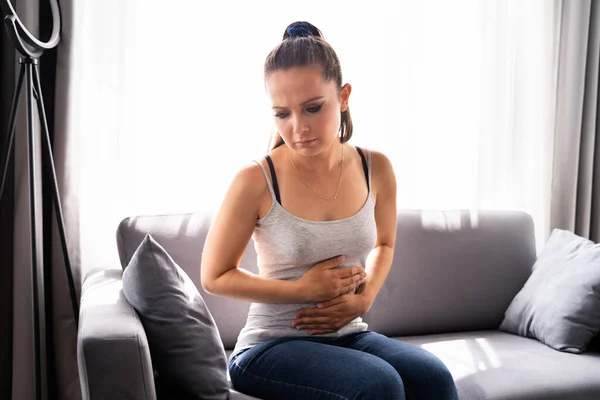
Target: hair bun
[{"x": 301, "y": 29}]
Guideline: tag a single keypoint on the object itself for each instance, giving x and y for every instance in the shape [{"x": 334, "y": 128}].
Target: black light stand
[{"x": 31, "y": 50}]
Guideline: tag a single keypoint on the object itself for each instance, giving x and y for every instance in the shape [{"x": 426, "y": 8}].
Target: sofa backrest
[{"x": 452, "y": 270}]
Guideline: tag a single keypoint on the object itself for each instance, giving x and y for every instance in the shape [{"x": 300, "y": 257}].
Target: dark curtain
[
  {"x": 48, "y": 79},
  {"x": 7, "y": 83},
  {"x": 16, "y": 344},
  {"x": 576, "y": 176}
]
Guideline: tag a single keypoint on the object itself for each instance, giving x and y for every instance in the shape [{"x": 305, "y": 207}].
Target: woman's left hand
[{"x": 329, "y": 316}]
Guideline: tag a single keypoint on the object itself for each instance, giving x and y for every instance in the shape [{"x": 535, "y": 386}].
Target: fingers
[
  {"x": 333, "y": 302},
  {"x": 311, "y": 322},
  {"x": 348, "y": 289},
  {"x": 354, "y": 280},
  {"x": 350, "y": 271}
]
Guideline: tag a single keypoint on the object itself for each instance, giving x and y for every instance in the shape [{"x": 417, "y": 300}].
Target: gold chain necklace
[{"x": 317, "y": 194}]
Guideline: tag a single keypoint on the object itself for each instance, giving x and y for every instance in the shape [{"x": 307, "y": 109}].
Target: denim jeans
[{"x": 363, "y": 365}]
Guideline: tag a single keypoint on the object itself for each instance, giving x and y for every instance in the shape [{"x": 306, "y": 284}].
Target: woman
[{"x": 323, "y": 217}]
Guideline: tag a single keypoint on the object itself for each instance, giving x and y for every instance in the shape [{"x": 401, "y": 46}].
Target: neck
[{"x": 324, "y": 162}]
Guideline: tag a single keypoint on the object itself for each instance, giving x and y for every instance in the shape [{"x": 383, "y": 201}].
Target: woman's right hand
[{"x": 322, "y": 282}]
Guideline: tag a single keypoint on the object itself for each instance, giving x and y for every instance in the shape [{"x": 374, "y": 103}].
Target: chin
[
  {"x": 308, "y": 148},
  {"x": 310, "y": 152}
]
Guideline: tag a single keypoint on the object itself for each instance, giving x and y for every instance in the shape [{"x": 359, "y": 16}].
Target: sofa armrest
[{"x": 112, "y": 349}]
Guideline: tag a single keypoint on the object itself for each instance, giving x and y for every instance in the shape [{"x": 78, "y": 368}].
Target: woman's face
[{"x": 306, "y": 108}]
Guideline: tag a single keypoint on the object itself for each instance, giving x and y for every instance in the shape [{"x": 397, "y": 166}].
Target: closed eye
[{"x": 312, "y": 110}]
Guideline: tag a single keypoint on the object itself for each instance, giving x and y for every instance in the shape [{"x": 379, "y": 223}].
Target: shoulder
[
  {"x": 249, "y": 180},
  {"x": 381, "y": 166},
  {"x": 248, "y": 191},
  {"x": 382, "y": 174},
  {"x": 380, "y": 163}
]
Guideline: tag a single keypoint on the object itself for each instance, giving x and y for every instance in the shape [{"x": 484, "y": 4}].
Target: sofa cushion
[
  {"x": 493, "y": 365},
  {"x": 183, "y": 236},
  {"x": 502, "y": 366},
  {"x": 560, "y": 302},
  {"x": 183, "y": 339}
]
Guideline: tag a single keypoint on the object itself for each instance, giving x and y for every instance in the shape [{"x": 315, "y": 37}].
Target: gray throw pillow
[
  {"x": 184, "y": 342},
  {"x": 560, "y": 303}
]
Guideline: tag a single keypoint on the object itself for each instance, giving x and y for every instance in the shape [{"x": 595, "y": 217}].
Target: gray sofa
[{"x": 453, "y": 276}]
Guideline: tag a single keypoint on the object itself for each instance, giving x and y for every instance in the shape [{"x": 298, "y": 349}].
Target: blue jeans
[{"x": 363, "y": 365}]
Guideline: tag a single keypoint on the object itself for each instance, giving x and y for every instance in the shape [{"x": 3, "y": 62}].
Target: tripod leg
[
  {"x": 47, "y": 151},
  {"x": 39, "y": 318},
  {"x": 11, "y": 127}
]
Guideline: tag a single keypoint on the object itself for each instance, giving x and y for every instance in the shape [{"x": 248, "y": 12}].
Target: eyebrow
[{"x": 304, "y": 102}]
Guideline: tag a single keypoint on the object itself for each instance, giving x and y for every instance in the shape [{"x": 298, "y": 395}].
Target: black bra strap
[
  {"x": 365, "y": 167},
  {"x": 274, "y": 178}
]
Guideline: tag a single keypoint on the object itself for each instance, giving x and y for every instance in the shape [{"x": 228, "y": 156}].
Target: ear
[{"x": 344, "y": 96}]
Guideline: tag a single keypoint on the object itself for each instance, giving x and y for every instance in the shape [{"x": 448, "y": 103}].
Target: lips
[{"x": 305, "y": 142}]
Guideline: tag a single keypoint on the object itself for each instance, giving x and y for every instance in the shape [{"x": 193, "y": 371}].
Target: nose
[{"x": 299, "y": 124}]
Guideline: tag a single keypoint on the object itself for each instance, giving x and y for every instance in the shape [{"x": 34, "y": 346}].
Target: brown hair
[{"x": 303, "y": 45}]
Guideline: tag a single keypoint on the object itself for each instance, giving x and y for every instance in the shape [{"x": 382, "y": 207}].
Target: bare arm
[
  {"x": 380, "y": 259},
  {"x": 227, "y": 240}
]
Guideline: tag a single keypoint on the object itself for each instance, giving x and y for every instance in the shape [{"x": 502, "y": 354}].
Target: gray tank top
[{"x": 287, "y": 246}]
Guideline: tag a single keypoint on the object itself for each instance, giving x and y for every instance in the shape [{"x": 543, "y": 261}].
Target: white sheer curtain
[{"x": 460, "y": 95}]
